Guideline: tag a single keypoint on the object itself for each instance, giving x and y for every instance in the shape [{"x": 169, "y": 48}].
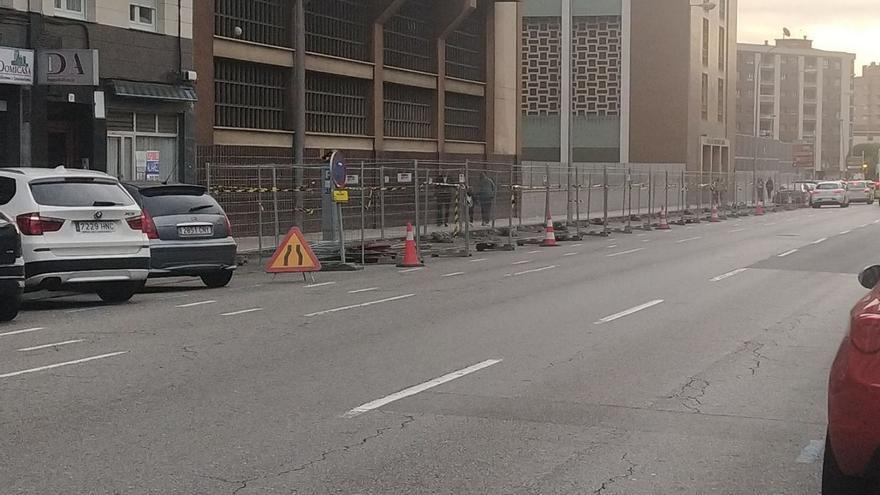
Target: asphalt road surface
[{"x": 692, "y": 361}]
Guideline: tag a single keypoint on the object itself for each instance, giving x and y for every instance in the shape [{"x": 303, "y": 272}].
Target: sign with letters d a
[{"x": 68, "y": 67}]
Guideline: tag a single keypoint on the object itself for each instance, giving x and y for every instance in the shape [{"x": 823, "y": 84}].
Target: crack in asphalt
[
  {"x": 321, "y": 458},
  {"x": 630, "y": 470},
  {"x": 755, "y": 349},
  {"x": 690, "y": 393}
]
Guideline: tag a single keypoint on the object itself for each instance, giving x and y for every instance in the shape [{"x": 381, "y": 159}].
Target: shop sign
[
  {"x": 152, "y": 166},
  {"x": 68, "y": 67},
  {"x": 16, "y": 66}
]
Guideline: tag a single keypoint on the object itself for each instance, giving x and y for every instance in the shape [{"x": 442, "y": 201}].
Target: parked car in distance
[
  {"x": 852, "y": 445},
  {"x": 190, "y": 234},
  {"x": 861, "y": 191},
  {"x": 11, "y": 269},
  {"x": 830, "y": 193},
  {"x": 80, "y": 231}
]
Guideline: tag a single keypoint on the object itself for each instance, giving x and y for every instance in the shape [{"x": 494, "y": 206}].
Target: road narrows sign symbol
[{"x": 293, "y": 255}]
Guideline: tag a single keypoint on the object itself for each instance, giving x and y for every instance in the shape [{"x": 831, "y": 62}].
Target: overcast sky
[{"x": 840, "y": 25}]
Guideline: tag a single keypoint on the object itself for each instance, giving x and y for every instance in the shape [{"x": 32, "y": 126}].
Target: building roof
[{"x": 791, "y": 50}]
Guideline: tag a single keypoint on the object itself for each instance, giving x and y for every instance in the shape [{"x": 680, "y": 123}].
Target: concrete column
[
  {"x": 565, "y": 123},
  {"x": 625, "y": 71},
  {"x": 503, "y": 80},
  {"x": 777, "y": 94},
  {"x": 801, "y": 97},
  {"x": 820, "y": 90}
]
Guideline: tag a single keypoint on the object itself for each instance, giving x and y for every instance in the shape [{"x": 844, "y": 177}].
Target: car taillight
[
  {"x": 149, "y": 227},
  {"x": 864, "y": 332},
  {"x": 228, "y": 226},
  {"x": 34, "y": 224},
  {"x": 136, "y": 223}
]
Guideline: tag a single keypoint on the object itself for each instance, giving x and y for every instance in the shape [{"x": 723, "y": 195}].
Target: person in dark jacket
[
  {"x": 444, "y": 194},
  {"x": 486, "y": 190},
  {"x": 769, "y": 185}
]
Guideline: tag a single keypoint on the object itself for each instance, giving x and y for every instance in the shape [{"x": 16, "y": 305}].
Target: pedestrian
[
  {"x": 713, "y": 188},
  {"x": 769, "y": 185},
  {"x": 444, "y": 193},
  {"x": 486, "y": 195},
  {"x": 759, "y": 190},
  {"x": 469, "y": 201}
]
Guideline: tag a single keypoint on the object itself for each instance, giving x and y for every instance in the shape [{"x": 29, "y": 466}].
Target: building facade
[
  {"x": 106, "y": 85},
  {"x": 794, "y": 93},
  {"x": 385, "y": 79},
  {"x": 630, "y": 81},
  {"x": 866, "y": 128}
]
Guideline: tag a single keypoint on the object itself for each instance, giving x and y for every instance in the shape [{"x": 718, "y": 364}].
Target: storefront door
[{"x": 120, "y": 157}]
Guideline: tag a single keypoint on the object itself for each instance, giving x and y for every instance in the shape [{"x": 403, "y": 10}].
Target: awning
[{"x": 153, "y": 91}]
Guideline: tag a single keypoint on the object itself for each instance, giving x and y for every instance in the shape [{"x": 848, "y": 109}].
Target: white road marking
[
  {"x": 362, "y": 305},
  {"x": 479, "y": 260},
  {"x": 625, "y": 252},
  {"x": 410, "y": 270},
  {"x": 728, "y": 275},
  {"x": 863, "y": 225},
  {"x": 811, "y": 453},
  {"x": 58, "y": 365},
  {"x": 369, "y": 406},
  {"x": 533, "y": 252},
  {"x": 629, "y": 311},
  {"x": 16, "y": 332},
  {"x": 641, "y": 235},
  {"x": 876, "y": 222},
  {"x": 234, "y": 313},
  {"x": 612, "y": 246},
  {"x": 819, "y": 241},
  {"x": 736, "y": 230},
  {"x": 46, "y": 346},
  {"x": 689, "y": 239},
  {"x": 358, "y": 291},
  {"x": 576, "y": 245},
  {"x": 322, "y": 284},
  {"x": 787, "y": 253},
  {"x": 190, "y": 305},
  {"x": 536, "y": 270},
  {"x": 83, "y": 310},
  {"x": 523, "y": 262},
  {"x": 569, "y": 254},
  {"x": 845, "y": 232},
  {"x": 646, "y": 240},
  {"x": 453, "y": 274},
  {"x": 770, "y": 224}
]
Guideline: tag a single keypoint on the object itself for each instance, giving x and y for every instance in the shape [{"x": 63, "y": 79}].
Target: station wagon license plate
[
  {"x": 95, "y": 227},
  {"x": 195, "y": 230}
]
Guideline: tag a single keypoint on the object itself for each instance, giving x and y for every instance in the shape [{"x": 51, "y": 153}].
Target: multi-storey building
[
  {"x": 384, "y": 79},
  {"x": 632, "y": 81},
  {"x": 867, "y": 105},
  {"x": 97, "y": 84},
  {"x": 794, "y": 93}
]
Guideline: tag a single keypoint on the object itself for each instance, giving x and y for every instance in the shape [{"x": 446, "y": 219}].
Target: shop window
[
  {"x": 142, "y": 14},
  {"x": 71, "y": 8},
  {"x": 133, "y": 139}
]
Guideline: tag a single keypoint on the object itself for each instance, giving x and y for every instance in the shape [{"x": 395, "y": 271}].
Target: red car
[{"x": 852, "y": 446}]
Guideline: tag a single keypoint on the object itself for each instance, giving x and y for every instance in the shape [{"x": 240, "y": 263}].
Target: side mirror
[{"x": 869, "y": 277}]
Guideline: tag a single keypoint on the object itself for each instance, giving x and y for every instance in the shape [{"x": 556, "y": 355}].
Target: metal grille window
[
  {"x": 408, "y": 40},
  {"x": 466, "y": 50},
  {"x": 706, "y": 42},
  {"x": 337, "y": 28},
  {"x": 704, "y": 99},
  {"x": 722, "y": 100},
  {"x": 248, "y": 95},
  {"x": 464, "y": 117},
  {"x": 336, "y": 105},
  {"x": 409, "y": 112},
  {"x": 261, "y": 21}
]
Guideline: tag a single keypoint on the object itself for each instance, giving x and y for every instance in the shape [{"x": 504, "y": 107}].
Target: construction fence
[{"x": 461, "y": 206}]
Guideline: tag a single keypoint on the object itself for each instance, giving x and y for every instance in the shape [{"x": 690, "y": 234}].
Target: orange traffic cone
[
  {"x": 714, "y": 218},
  {"x": 664, "y": 222},
  {"x": 549, "y": 235},
  {"x": 410, "y": 253},
  {"x": 759, "y": 210}
]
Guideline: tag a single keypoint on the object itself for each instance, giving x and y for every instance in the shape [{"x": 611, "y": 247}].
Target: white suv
[{"x": 80, "y": 231}]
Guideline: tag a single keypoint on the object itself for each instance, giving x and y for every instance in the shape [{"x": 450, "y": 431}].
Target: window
[
  {"x": 70, "y": 8},
  {"x": 79, "y": 192},
  {"x": 142, "y": 14},
  {"x": 704, "y": 101},
  {"x": 722, "y": 44},
  {"x": 7, "y": 190},
  {"x": 706, "y": 42},
  {"x": 721, "y": 100}
]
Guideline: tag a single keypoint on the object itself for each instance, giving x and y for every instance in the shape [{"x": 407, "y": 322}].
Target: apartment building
[
  {"x": 792, "y": 92},
  {"x": 98, "y": 84},
  {"x": 632, "y": 81},
  {"x": 866, "y": 126},
  {"x": 384, "y": 79}
]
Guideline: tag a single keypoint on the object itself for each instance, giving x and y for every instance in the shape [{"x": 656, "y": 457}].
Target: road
[{"x": 692, "y": 361}]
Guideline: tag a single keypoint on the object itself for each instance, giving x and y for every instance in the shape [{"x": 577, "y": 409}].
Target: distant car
[
  {"x": 861, "y": 191},
  {"x": 190, "y": 234},
  {"x": 80, "y": 231},
  {"x": 11, "y": 269},
  {"x": 830, "y": 193},
  {"x": 852, "y": 445}
]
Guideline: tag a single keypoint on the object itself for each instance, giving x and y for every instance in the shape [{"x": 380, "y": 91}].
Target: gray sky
[{"x": 840, "y": 25}]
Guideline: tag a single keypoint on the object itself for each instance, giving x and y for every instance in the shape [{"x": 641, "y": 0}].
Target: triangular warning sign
[{"x": 294, "y": 255}]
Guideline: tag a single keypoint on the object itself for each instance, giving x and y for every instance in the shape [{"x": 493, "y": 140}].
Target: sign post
[{"x": 339, "y": 184}]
